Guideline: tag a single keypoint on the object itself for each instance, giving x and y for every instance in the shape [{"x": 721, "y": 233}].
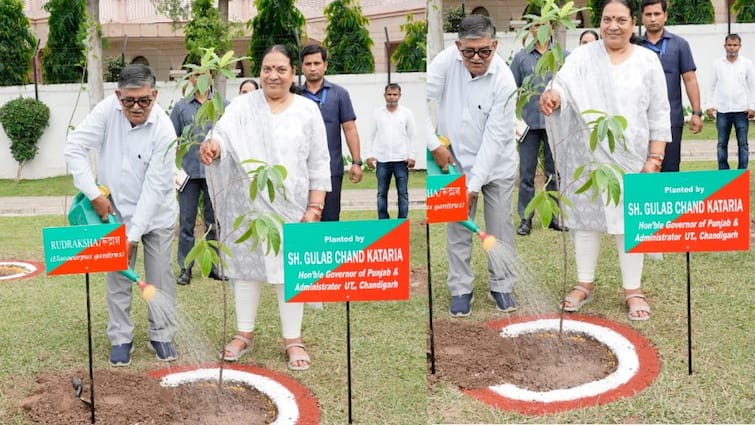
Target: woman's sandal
[
  {"x": 234, "y": 351},
  {"x": 575, "y": 302},
  {"x": 294, "y": 359},
  {"x": 637, "y": 307}
]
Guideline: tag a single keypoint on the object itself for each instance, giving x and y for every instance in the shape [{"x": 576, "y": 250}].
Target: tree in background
[
  {"x": 745, "y": 10},
  {"x": 17, "y": 44},
  {"x": 453, "y": 19},
  {"x": 205, "y": 30},
  {"x": 347, "y": 39},
  {"x": 411, "y": 54},
  {"x": 689, "y": 12},
  {"x": 277, "y": 22},
  {"x": 63, "y": 58}
]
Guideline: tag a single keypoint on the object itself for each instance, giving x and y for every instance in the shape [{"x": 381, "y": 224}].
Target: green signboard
[
  {"x": 346, "y": 261},
  {"x": 687, "y": 211}
]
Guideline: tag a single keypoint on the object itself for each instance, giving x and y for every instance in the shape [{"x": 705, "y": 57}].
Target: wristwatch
[
  {"x": 698, "y": 113},
  {"x": 357, "y": 162}
]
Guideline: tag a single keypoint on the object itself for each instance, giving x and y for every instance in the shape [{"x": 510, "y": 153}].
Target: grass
[
  {"x": 43, "y": 328},
  {"x": 63, "y": 185},
  {"x": 709, "y": 132}
]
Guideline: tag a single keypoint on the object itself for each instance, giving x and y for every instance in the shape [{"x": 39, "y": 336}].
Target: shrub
[
  {"x": 113, "y": 65},
  {"x": 745, "y": 10},
  {"x": 411, "y": 53},
  {"x": 688, "y": 12},
  {"x": 16, "y": 44},
  {"x": 453, "y": 19},
  {"x": 63, "y": 59},
  {"x": 347, "y": 39},
  {"x": 24, "y": 120}
]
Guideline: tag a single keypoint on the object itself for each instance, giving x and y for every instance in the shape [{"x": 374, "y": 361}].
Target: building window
[
  {"x": 140, "y": 59},
  {"x": 479, "y": 10}
]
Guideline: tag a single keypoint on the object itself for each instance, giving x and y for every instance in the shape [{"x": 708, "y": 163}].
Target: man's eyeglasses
[
  {"x": 483, "y": 53},
  {"x": 129, "y": 102}
]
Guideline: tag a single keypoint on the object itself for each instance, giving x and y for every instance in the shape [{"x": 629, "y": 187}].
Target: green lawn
[
  {"x": 43, "y": 328},
  {"x": 709, "y": 132}
]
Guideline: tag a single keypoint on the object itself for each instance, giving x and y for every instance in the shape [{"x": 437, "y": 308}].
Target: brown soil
[
  {"x": 123, "y": 397},
  {"x": 10, "y": 270},
  {"x": 472, "y": 355}
]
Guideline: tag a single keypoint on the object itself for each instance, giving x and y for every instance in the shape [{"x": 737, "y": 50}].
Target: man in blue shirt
[
  {"x": 188, "y": 131},
  {"x": 523, "y": 69},
  {"x": 678, "y": 64},
  {"x": 337, "y": 112}
]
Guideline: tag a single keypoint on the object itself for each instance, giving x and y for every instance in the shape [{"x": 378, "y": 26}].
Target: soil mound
[
  {"x": 473, "y": 356},
  {"x": 123, "y": 397}
]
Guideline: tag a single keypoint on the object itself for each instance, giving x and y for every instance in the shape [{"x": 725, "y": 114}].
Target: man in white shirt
[
  {"x": 472, "y": 89},
  {"x": 389, "y": 150},
  {"x": 733, "y": 101},
  {"x": 133, "y": 136}
]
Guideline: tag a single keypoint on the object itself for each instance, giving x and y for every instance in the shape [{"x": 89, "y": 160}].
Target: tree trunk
[
  {"x": 94, "y": 53},
  {"x": 220, "y": 80},
  {"x": 434, "y": 28}
]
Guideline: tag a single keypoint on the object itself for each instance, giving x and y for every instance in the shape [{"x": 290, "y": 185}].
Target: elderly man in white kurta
[{"x": 472, "y": 88}]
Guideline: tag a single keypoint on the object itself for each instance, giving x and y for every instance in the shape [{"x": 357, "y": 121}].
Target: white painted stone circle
[
  {"x": 27, "y": 269},
  {"x": 284, "y": 400},
  {"x": 622, "y": 348}
]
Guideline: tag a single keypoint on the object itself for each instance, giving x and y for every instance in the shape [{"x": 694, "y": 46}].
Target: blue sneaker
[
  {"x": 164, "y": 351},
  {"x": 504, "y": 301},
  {"x": 461, "y": 305},
  {"x": 120, "y": 355}
]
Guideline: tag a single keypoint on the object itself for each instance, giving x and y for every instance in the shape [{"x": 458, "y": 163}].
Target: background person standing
[
  {"x": 337, "y": 112},
  {"x": 535, "y": 137},
  {"x": 733, "y": 101},
  {"x": 678, "y": 65},
  {"x": 195, "y": 188},
  {"x": 390, "y": 150}
]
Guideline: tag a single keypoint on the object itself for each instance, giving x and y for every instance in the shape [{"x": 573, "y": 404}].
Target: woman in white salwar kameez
[
  {"x": 617, "y": 77},
  {"x": 279, "y": 127}
]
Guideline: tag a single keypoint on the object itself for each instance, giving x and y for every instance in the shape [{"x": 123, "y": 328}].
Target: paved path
[{"x": 351, "y": 200}]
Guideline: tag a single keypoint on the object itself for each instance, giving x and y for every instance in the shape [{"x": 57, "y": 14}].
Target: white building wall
[{"x": 69, "y": 105}]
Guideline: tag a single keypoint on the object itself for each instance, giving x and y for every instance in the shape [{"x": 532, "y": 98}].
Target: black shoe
[
  {"x": 525, "y": 227},
  {"x": 504, "y": 301},
  {"x": 164, "y": 351},
  {"x": 217, "y": 276},
  {"x": 184, "y": 278},
  {"x": 557, "y": 227},
  {"x": 120, "y": 355}
]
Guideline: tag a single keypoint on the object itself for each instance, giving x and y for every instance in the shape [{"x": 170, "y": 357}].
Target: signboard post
[
  {"x": 694, "y": 211},
  {"x": 85, "y": 249},
  {"x": 446, "y": 201},
  {"x": 344, "y": 261}
]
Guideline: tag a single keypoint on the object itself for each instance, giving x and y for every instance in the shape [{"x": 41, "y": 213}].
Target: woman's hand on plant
[
  {"x": 550, "y": 100},
  {"x": 208, "y": 151}
]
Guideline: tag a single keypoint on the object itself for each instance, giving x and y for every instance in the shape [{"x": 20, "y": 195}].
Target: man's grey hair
[
  {"x": 136, "y": 76},
  {"x": 476, "y": 26}
]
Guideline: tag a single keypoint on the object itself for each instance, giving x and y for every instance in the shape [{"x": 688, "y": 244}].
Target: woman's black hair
[
  {"x": 249, "y": 81},
  {"x": 282, "y": 49},
  {"x": 585, "y": 32}
]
